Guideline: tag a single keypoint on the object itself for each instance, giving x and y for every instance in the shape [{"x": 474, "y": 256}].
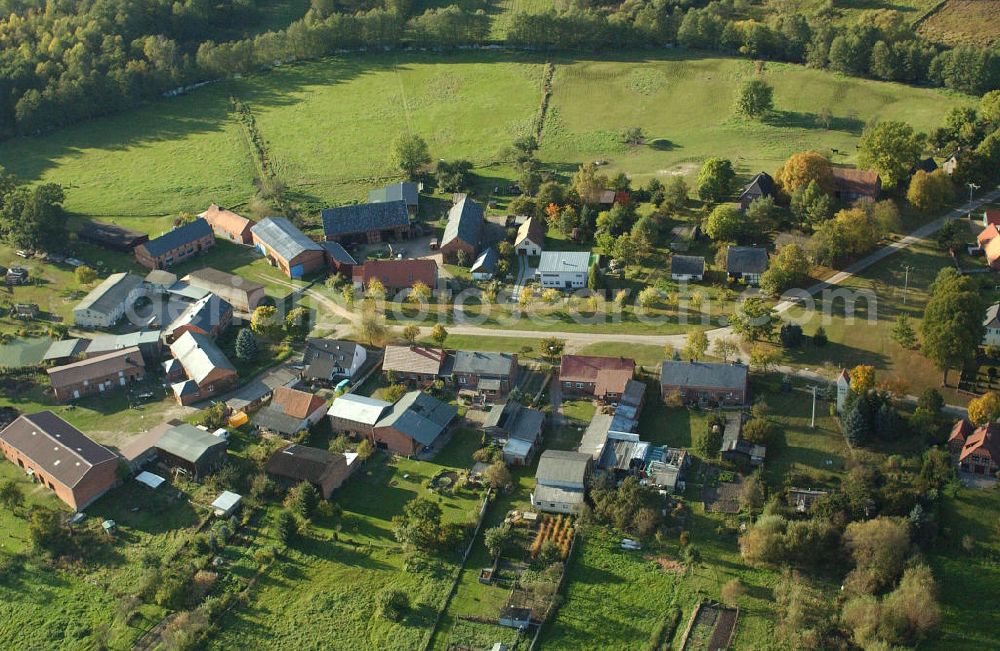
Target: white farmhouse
[
  {"x": 992, "y": 323},
  {"x": 563, "y": 269},
  {"x": 105, "y": 305},
  {"x": 530, "y": 237}
]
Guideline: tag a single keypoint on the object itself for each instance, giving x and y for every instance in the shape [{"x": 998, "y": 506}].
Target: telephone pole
[
  {"x": 812, "y": 423},
  {"x": 906, "y": 281},
  {"x": 972, "y": 187}
]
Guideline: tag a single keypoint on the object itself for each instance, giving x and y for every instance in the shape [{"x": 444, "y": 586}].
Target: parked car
[
  {"x": 22, "y": 254},
  {"x": 74, "y": 262}
]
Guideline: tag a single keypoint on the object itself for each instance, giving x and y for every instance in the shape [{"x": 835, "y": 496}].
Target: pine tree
[
  {"x": 887, "y": 422},
  {"x": 903, "y": 333},
  {"x": 855, "y": 425},
  {"x": 246, "y": 345}
]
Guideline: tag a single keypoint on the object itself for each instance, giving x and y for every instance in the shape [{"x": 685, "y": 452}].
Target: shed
[
  {"x": 191, "y": 450},
  {"x": 226, "y": 504}
]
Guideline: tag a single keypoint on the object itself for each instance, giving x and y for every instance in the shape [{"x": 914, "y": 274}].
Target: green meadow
[{"x": 328, "y": 125}]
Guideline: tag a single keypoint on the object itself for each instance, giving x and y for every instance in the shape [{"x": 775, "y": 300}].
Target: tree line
[{"x": 68, "y": 62}]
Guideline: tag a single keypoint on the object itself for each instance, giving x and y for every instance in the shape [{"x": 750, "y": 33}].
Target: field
[
  {"x": 328, "y": 125},
  {"x": 684, "y": 103},
  {"x": 963, "y": 22},
  {"x": 325, "y": 588}
]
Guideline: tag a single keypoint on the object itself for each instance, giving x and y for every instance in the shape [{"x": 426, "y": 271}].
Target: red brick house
[
  {"x": 976, "y": 449},
  {"x": 99, "y": 374},
  {"x": 491, "y": 375},
  {"x": 56, "y": 454},
  {"x": 396, "y": 275},
  {"x": 176, "y": 246},
  {"x": 294, "y": 464},
  {"x": 199, "y": 369},
  {"x": 604, "y": 378},
  {"x": 228, "y": 225},
  {"x": 705, "y": 382},
  {"x": 464, "y": 230},
  {"x": 287, "y": 247},
  {"x": 850, "y": 184},
  {"x": 415, "y": 423},
  {"x": 414, "y": 365}
]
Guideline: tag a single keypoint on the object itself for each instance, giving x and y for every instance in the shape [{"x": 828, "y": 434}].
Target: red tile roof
[
  {"x": 295, "y": 403},
  {"x": 984, "y": 439},
  {"x": 226, "y": 220},
  {"x": 609, "y": 374},
  {"x": 961, "y": 431},
  {"x": 860, "y": 182},
  {"x": 987, "y": 234},
  {"x": 397, "y": 274},
  {"x": 991, "y": 217}
]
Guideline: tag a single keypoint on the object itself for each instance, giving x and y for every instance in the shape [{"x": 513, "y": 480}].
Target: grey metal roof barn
[
  {"x": 66, "y": 348},
  {"x": 479, "y": 363},
  {"x": 553, "y": 262},
  {"x": 687, "y": 265},
  {"x": 703, "y": 374},
  {"x": 110, "y": 294},
  {"x": 465, "y": 223},
  {"x": 746, "y": 260},
  {"x": 282, "y": 236},
  {"x": 199, "y": 355},
  {"x": 190, "y": 232},
  {"x": 421, "y": 417},
  {"x": 359, "y": 409},
  {"x": 364, "y": 217},
  {"x": 402, "y": 191},
  {"x": 562, "y": 468},
  {"x": 187, "y": 442}
]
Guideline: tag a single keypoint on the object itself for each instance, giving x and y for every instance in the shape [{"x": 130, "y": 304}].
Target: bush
[{"x": 392, "y": 605}]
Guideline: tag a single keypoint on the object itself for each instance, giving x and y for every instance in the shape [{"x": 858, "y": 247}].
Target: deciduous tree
[
  {"x": 890, "y": 148},
  {"x": 409, "y": 153}
]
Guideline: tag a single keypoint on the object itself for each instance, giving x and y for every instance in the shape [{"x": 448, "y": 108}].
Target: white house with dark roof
[
  {"x": 992, "y": 324},
  {"x": 746, "y": 263},
  {"x": 687, "y": 267}
]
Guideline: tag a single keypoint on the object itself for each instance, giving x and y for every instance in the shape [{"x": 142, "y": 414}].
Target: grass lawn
[
  {"x": 328, "y": 125},
  {"x": 960, "y": 574},
  {"x": 325, "y": 586},
  {"x": 71, "y": 608},
  {"x": 643, "y": 354},
  {"x": 683, "y": 102},
  {"x": 577, "y": 414},
  {"x": 866, "y": 338}
]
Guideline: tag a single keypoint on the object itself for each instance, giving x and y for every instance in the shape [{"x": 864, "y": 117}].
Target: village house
[
  {"x": 294, "y": 464},
  {"x": 356, "y": 415},
  {"x": 414, "y": 365},
  {"x": 991, "y": 217},
  {"x": 106, "y": 304},
  {"x": 208, "y": 316},
  {"x": 843, "y": 389},
  {"x": 111, "y": 236},
  {"x": 405, "y": 191},
  {"x": 760, "y": 186},
  {"x": 850, "y": 184},
  {"x": 414, "y": 424},
  {"x": 530, "y": 240},
  {"x": 338, "y": 259},
  {"x": 191, "y": 451},
  {"x": 464, "y": 230},
  {"x": 175, "y": 246},
  {"x": 243, "y": 295},
  {"x": 604, "y": 378},
  {"x": 950, "y": 164},
  {"x": 746, "y": 264},
  {"x": 687, "y": 267},
  {"x": 976, "y": 450},
  {"x": 287, "y": 247},
  {"x": 228, "y": 225},
  {"x": 57, "y": 455},
  {"x": 518, "y": 427},
  {"x": 96, "y": 375},
  {"x": 491, "y": 375},
  {"x": 735, "y": 448},
  {"x": 257, "y": 391},
  {"x": 992, "y": 325},
  {"x": 199, "y": 369},
  {"x": 326, "y": 359},
  {"x": 290, "y": 411},
  {"x": 563, "y": 269},
  {"x": 561, "y": 481},
  {"x": 486, "y": 265},
  {"x": 396, "y": 275},
  {"x": 366, "y": 223},
  {"x": 707, "y": 382},
  {"x": 989, "y": 241}
]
